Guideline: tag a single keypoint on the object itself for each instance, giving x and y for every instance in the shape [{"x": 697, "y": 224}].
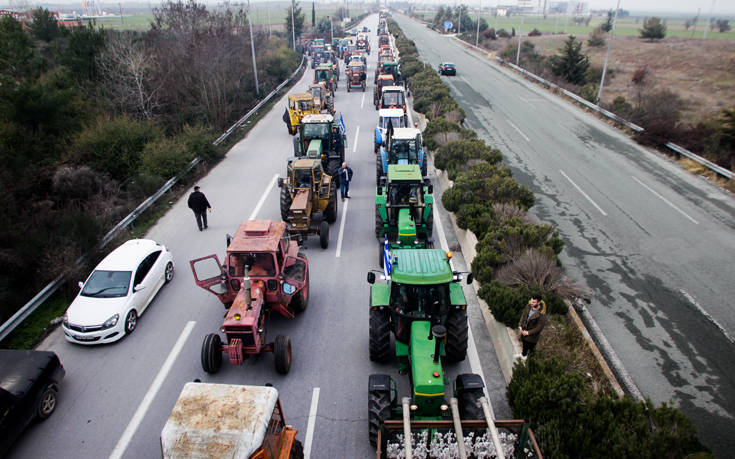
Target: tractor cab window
[
  {"x": 404, "y": 150},
  {"x": 261, "y": 264},
  {"x": 316, "y": 93},
  {"x": 390, "y": 98},
  {"x": 302, "y": 178},
  {"x": 322, "y": 75},
  {"x": 304, "y": 105},
  {"x": 316, "y": 131},
  {"x": 317, "y": 176},
  {"x": 403, "y": 194}
]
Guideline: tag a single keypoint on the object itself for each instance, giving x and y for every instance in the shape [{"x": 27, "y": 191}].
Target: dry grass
[{"x": 562, "y": 340}]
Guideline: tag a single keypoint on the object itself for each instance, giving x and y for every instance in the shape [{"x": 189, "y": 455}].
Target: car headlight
[
  {"x": 65, "y": 320},
  {"x": 111, "y": 322}
]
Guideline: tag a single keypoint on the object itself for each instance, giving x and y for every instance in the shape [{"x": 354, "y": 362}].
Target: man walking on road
[
  {"x": 532, "y": 322},
  {"x": 345, "y": 176},
  {"x": 199, "y": 204}
]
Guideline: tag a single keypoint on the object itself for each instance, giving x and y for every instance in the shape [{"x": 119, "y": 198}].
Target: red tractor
[{"x": 263, "y": 272}]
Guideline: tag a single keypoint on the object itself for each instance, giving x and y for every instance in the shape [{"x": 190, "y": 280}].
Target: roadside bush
[
  {"x": 165, "y": 158},
  {"x": 198, "y": 141},
  {"x": 502, "y": 33},
  {"x": 534, "y": 33},
  {"x": 597, "y": 38},
  {"x": 458, "y": 155},
  {"x": 114, "y": 146},
  {"x": 539, "y": 270},
  {"x": 440, "y": 126}
]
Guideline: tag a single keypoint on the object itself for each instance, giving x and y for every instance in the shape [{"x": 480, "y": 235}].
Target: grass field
[{"x": 627, "y": 26}]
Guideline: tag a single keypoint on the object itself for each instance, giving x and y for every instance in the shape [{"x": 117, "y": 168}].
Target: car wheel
[
  {"x": 46, "y": 403},
  {"x": 169, "y": 272},
  {"x": 131, "y": 320}
]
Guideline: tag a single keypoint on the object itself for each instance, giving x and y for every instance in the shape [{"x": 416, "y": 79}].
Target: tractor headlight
[{"x": 111, "y": 322}]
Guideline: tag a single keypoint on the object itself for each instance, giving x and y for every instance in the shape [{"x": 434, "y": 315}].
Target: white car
[{"x": 117, "y": 292}]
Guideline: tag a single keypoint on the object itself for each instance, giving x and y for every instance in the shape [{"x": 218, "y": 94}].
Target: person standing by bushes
[
  {"x": 199, "y": 204},
  {"x": 532, "y": 323}
]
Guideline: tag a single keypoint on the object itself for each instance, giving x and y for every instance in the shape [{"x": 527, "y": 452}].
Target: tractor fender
[
  {"x": 378, "y": 382},
  {"x": 468, "y": 381},
  {"x": 379, "y": 295}
]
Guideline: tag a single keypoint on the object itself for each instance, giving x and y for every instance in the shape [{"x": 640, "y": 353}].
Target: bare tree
[{"x": 538, "y": 270}]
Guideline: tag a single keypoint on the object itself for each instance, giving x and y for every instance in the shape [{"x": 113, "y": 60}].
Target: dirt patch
[{"x": 701, "y": 72}]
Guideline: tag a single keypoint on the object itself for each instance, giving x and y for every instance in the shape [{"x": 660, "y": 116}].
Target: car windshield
[
  {"x": 449, "y": 66},
  {"x": 316, "y": 130},
  {"x": 107, "y": 284}
]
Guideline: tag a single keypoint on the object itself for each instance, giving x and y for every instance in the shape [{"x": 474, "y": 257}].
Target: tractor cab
[
  {"x": 380, "y": 82},
  {"x": 403, "y": 146},
  {"x": 404, "y": 208},
  {"x": 386, "y": 116},
  {"x": 299, "y": 105},
  {"x": 393, "y": 97},
  {"x": 318, "y": 139},
  {"x": 322, "y": 99},
  {"x": 392, "y": 68},
  {"x": 325, "y": 73}
]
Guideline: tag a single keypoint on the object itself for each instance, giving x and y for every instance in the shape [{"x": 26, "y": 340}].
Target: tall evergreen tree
[
  {"x": 653, "y": 29},
  {"x": 572, "y": 63},
  {"x": 313, "y": 15},
  {"x": 298, "y": 21}
]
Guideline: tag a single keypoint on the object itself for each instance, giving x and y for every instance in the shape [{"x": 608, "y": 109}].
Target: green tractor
[
  {"x": 404, "y": 209},
  {"x": 319, "y": 137},
  {"x": 422, "y": 305}
]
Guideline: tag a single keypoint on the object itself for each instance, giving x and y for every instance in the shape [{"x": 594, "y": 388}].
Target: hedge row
[{"x": 515, "y": 259}]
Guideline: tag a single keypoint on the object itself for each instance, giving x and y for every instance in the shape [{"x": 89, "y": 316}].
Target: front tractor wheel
[
  {"x": 379, "y": 335},
  {"x": 212, "y": 353},
  {"x": 331, "y": 211},
  {"x": 324, "y": 234},
  {"x": 285, "y": 203},
  {"x": 456, "y": 347},
  {"x": 282, "y": 352}
]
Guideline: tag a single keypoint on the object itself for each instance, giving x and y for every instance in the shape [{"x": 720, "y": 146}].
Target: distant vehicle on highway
[
  {"x": 117, "y": 292},
  {"x": 29, "y": 382},
  {"x": 447, "y": 68}
]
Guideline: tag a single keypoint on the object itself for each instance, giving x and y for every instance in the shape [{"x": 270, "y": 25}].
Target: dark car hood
[{"x": 20, "y": 369}]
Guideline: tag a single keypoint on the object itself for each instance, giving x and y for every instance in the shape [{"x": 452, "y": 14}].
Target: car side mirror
[
  {"x": 371, "y": 277},
  {"x": 139, "y": 287},
  {"x": 470, "y": 278},
  {"x": 80, "y": 284}
]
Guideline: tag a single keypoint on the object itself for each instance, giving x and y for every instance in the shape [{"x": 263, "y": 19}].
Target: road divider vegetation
[{"x": 572, "y": 413}]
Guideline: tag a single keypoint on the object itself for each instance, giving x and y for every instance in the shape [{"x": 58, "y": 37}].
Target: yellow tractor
[
  {"x": 308, "y": 199},
  {"x": 298, "y": 105}
]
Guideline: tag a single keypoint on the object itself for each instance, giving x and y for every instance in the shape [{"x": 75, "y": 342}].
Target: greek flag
[
  {"x": 387, "y": 267},
  {"x": 342, "y": 127}
]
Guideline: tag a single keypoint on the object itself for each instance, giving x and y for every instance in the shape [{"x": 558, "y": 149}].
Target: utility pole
[
  {"x": 607, "y": 55},
  {"x": 268, "y": 12},
  {"x": 459, "y": 25},
  {"x": 477, "y": 38},
  {"x": 252, "y": 50},
  {"x": 709, "y": 19},
  {"x": 520, "y": 34},
  {"x": 331, "y": 29},
  {"x": 293, "y": 26}
]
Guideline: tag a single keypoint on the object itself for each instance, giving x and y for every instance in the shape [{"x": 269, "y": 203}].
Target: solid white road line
[
  {"x": 472, "y": 347},
  {"x": 363, "y": 100},
  {"x": 519, "y": 131},
  {"x": 410, "y": 117},
  {"x": 310, "y": 425},
  {"x": 583, "y": 193},
  {"x": 134, "y": 423},
  {"x": 266, "y": 192},
  {"x": 342, "y": 228},
  {"x": 666, "y": 201},
  {"x": 357, "y": 134},
  {"x": 707, "y": 316}
]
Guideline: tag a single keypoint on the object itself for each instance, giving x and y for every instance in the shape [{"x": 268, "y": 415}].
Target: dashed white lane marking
[
  {"x": 312, "y": 421},
  {"x": 134, "y": 423},
  {"x": 266, "y": 192},
  {"x": 583, "y": 193},
  {"x": 707, "y": 316},
  {"x": 519, "y": 131},
  {"x": 363, "y": 100},
  {"x": 357, "y": 134},
  {"x": 342, "y": 228},
  {"x": 666, "y": 201}
]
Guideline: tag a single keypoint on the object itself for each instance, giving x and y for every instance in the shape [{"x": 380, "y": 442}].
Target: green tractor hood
[
  {"x": 406, "y": 227},
  {"x": 315, "y": 149},
  {"x": 428, "y": 377}
]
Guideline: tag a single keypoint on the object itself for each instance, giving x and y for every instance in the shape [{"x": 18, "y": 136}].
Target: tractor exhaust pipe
[
  {"x": 246, "y": 286},
  {"x": 490, "y": 418},
  {"x": 406, "y": 402},
  {"x": 458, "y": 428},
  {"x": 438, "y": 332}
]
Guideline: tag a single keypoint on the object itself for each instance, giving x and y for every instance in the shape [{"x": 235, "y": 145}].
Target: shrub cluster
[{"x": 515, "y": 259}]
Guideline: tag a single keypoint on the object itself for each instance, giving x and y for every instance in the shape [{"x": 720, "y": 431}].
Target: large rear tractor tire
[
  {"x": 424, "y": 167},
  {"x": 457, "y": 328},
  {"x": 282, "y": 353},
  {"x": 285, "y": 203},
  {"x": 333, "y": 167},
  {"x": 211, "y": 353},
  {"x": 378, "y": 411},
  {"x": 324, "y": 234},
  {"x": 331, "y": 211},
  {"x": 379, "y": 335},
  {"x": 430, "y": 223},
  {"x": 378, "y": 168}
]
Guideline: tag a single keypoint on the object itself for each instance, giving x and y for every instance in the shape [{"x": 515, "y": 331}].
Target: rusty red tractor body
[{"x": 263, "y": 272}]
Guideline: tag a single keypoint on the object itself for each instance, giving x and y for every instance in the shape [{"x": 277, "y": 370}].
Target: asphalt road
[
  {"x": 652, "y": 243},
  {"x": 116, "y": 398}
]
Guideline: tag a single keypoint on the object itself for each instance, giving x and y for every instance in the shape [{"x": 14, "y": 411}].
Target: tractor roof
[
  {"x": 326, "y": 66},
  {"x": 299, "y": 96},
  {"x": 306, "y": 163},
  {"x": 320, "y": 118},
  {"x": 385, "y": 77},
  {"x": 390, "y": 112},
  {"x": 390, "y": 63},
  {"x": 257, "y": 236},
  {"x": 231, "y": 420},
  {"x": 420, "y": 266},
  {"x": 404, "y": 173},
  {"x": 393, "y": 89},
  {"x": 405, "y": 133}
]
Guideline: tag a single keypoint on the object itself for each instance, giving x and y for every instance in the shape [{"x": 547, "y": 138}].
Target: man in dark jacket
[
  {"x": 532, "y": 322},
  {"x": 345, "y": 177},
  {"x": 199, "y": 204}
]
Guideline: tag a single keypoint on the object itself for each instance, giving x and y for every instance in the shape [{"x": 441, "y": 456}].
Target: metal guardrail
[
  {"x": 27, "y": 309},
  {"x": 682, "y": 151}
]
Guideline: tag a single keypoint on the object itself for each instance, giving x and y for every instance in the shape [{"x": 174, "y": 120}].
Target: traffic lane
[{"x": 616, "y": 269}]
